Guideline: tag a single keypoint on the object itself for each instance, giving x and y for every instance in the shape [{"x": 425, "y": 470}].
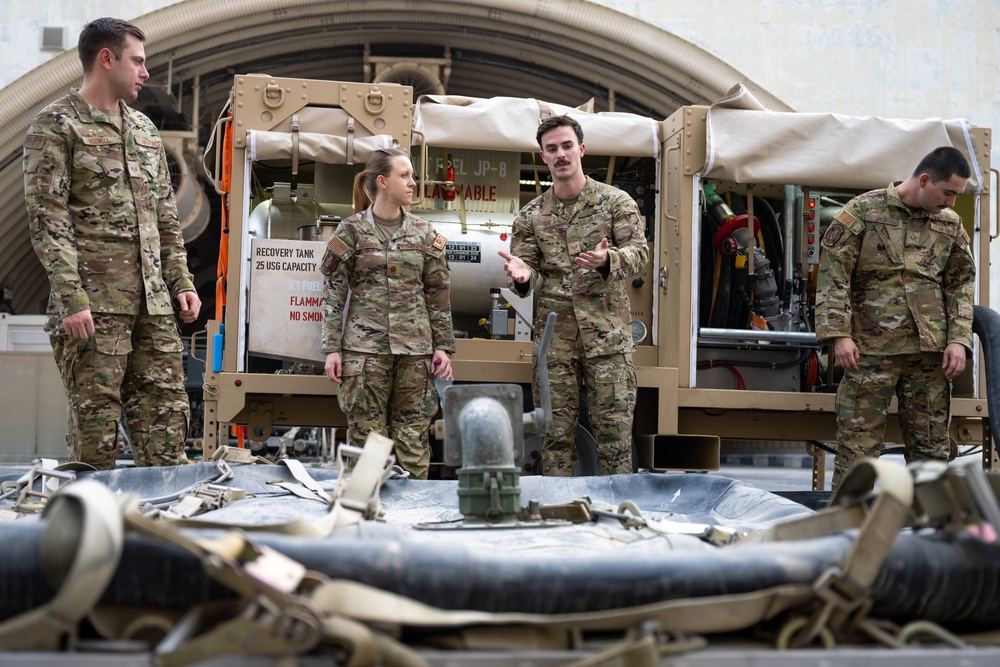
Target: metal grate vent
[{"x": 54, "y": 38}]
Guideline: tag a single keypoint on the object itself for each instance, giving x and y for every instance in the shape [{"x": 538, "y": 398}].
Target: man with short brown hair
[{"x": 104, "y": 224}]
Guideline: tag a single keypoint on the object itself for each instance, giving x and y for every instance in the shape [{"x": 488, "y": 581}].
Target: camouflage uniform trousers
[
  {"x": 611, "y": 393},
  {"x": 131, "y": 364},
  {"x": 863, "y": 403},
  {"x": 394, "y": 396}
]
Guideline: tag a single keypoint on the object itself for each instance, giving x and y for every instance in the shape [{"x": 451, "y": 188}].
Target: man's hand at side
[
  {"x": 190, "y": 306},
  {"x": 845, "y": 353},
  {"x": 954, "y": 360},
  {"x": 79, "y": 325}
]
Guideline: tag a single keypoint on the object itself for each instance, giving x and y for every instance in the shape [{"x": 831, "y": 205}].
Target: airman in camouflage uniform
[
  {"x": 895, "y": 298},
  {"x": 104, "y": 223},
  {"x": 392, "y": 275},
  {"x": 577, "y": 243}
]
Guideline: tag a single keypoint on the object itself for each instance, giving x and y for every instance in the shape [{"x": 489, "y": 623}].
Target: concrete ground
[
  {"x": 775, "y": 472},
  {"x": 783, "y": 472}
]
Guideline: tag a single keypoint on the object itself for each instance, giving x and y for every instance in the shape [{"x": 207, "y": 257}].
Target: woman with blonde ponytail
[{"x": 387, "y": 267}]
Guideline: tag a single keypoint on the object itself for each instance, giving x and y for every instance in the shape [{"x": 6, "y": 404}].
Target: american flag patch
[
  {"x": 337, "y": 245},
  {"x": 846, "y": 219}
]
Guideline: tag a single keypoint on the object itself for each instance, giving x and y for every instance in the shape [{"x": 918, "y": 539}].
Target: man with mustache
[
  {"x": 104, "y": 224},
  {"x": 894, "y": 299},
  {"x": 577, "y": 243}
]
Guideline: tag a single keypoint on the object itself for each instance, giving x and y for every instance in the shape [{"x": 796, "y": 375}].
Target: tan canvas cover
[
  {"x": 322, "y": 135},
  {"x": 328, "y": 148},
  {"x": 509, "y": 123},
  {"x": 749, "y": 144}
]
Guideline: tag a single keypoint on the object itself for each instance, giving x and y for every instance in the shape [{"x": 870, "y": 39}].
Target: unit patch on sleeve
[
  {"x": 329, "y": 264},
  {"x": 440, "y": 242},
  {"x": 833, "y": 234}
]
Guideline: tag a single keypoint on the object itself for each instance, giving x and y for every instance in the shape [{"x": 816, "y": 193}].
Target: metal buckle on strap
[
  {"x": 843, "y": 591},
  {"x": 28, "y": 499},
  {"x": 360, "y": 492},
  {"x": 276, "y": 619},
  {"x": 628, "y": 514},
  {"x": 203, "y": 498},
  {"x": 953, "y": 497}
]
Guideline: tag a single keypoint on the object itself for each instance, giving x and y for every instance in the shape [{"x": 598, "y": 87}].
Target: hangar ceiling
[{"x": 562, "y": 51}]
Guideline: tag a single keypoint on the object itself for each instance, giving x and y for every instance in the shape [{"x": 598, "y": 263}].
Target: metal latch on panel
[
  {"x": 274, "y": 95},
  {"x": 374, "y": 101},
  {"x": 259, "y": 421}
]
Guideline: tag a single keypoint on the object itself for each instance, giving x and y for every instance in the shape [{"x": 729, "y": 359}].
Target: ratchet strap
[
  {"x": 843, "y": 590},
  {"x": 85, "y": 522}
]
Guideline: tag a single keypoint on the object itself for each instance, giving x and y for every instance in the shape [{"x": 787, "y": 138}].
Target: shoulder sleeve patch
[
  {"x": 338, "y": 246},
  {"x": 34, "y": 141},
  {"x": 329, "y": 264},
  {"x": 440, "y": 242},
  {"x": 833, "y": 234},
  {"x": 845, "y": 218}
]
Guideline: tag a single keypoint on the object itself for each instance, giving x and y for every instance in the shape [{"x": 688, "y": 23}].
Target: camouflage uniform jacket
[
  {"x": 548, "y": 235},
  {"x": 895, "y": 280},
  {"x": 102, "y": 212},
  {"x": 400, "y": 299}
]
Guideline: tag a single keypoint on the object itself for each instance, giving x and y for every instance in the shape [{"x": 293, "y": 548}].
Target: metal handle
[
  {"x": 419, "y": 199},
  {"x": 544, "y": 416},
  {"x": 194, "y": 341},
  {"x": 219, "y": 147},
  {"x": 996, "y": 204}
]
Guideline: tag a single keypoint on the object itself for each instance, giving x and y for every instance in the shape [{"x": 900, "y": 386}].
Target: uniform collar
[
  {"x": 587, "y": 197},
  {"x": 89, "y": 114},
  {"x": 892, "y": 199},
  {"x": 370, "y": 226}
]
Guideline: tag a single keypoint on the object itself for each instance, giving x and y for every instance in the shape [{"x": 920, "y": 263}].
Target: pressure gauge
[{"x": 638, "y": 331}]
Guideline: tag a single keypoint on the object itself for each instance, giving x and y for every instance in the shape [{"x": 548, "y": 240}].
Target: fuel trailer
[
  {"x": 735, "y": 198},
  {"x": 244, "y": 560}
]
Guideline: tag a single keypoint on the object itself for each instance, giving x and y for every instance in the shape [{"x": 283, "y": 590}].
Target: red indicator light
[
  {"x": 811, "y": 240},
  {"x": 812, "y": 214},
  {"x": 812, "y": 228},
  {"x": 812, "y": 203}
]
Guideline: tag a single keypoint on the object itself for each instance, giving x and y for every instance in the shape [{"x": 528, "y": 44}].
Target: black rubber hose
[
  {"x": 706, "y": 276},
  {"x": 739, "y": 292},
  {"x": 771, "y": 231},
  {"x": 986, "y": 325},
  {"x": 947, "y": 578},
  {"x": 720, "y": 309}
]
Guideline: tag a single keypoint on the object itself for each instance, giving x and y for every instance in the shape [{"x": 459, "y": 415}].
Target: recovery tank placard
[{"x": 286, "y": 299}]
